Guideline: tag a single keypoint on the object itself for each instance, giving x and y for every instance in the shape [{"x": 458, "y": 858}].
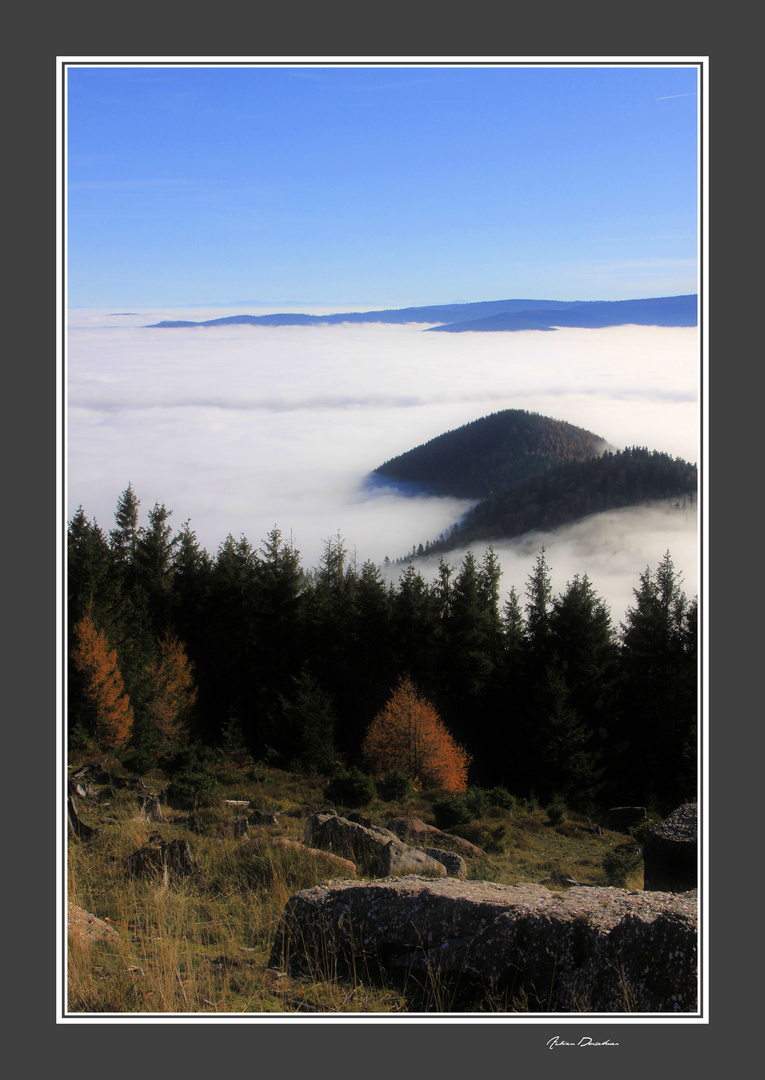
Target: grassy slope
[{"x": 202, "y": 945}]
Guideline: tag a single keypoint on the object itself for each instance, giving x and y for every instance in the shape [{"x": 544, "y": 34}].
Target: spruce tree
[{"x": 658, "y": 678}]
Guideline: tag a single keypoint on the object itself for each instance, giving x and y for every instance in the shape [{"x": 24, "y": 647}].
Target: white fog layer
[{"x": 243, "y": 428}]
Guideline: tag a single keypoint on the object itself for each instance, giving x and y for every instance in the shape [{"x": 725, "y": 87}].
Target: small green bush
[
  {"x": 453, "y": 810},
  {"x": 188, "y": 759},
  {"x": 140, "y": 760},
  {"x": 394, "y": 786},
  {"x": 350, "y": 787},
  {"x": 497, "y": 838},
  {"x": 499, "y": 796},
  {"x": 461, "y": 809},
  {"x": 621, "y": 863},
  {"x": 556, "y": 810},
  {"x": 641, "y": 830},
  {"x": 189, "y": 790}
]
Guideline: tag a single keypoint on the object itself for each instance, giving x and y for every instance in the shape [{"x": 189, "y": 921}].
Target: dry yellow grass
[{"x": 202, "y": 944}]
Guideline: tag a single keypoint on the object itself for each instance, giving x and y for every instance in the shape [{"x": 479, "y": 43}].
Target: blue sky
[{"x": 379, "y": 186}]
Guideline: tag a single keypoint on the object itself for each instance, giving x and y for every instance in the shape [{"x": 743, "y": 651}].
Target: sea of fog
[{"x": 241, "y": 429}]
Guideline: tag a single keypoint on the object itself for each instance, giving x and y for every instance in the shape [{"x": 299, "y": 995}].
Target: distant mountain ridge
[
  {"x": 530, "y": 472},
  {"x": 489, "y": 315},
  {"x": 659, "y": 311}
]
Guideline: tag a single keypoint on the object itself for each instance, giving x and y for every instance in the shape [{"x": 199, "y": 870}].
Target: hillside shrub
[
  {"x": 141, "y": 760},
  {"x": 394, "y": 786},
  {"x": 499, "y": 796},
  {"x": 451, "y": 811},
  {"x": 189, "y": 790},
  {"x": 350, "y": 787},
  {"x": 461, "y": 809},
  {"x": 556, "y": 810},
  {"x": 622, "y": 863}
]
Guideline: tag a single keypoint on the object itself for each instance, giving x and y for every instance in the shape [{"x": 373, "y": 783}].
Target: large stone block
[{"x": 584, "y": 950}]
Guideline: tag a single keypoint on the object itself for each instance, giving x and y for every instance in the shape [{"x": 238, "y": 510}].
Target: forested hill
[
  {"x": 660, "y": 311},
  {"x": 530, "y": 472},
  {"x": 571, "y": 491},
  {"x": 491, "y": 453},
  {"x": 489, "y": 315}
]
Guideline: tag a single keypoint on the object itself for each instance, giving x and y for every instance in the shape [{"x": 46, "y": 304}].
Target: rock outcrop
[
  {"x": 670, "y": 852},
  {"x": 359, "y": 843},
  {"x": 413, "y": 830},
  {"x": 588, "y": 949},
  {"x": 380, "y": 850},
  {"x": 455, "y": 864}
]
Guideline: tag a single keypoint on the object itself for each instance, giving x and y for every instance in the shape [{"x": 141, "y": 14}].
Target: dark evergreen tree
[
  {"x": 124, "y": 538},
  {"x": 370, "y": 643},
  {"x": 513, "y": 624},
  {"x": 305, "y": 738},
  {"x": 154, "y": 557},
  {"x": 278, "y": 623},
  {"x": 583, "y": 640},
  {"x": 658, "y": 690},
  {"x": 229, "y": 686},
  {"x": 189, "y": 587},
  {"x": 569, "y": 761},
  {"x": 538, "y": 610},
  {"x": 415, "y": 628},
  {"x": 92, "y": 584}
]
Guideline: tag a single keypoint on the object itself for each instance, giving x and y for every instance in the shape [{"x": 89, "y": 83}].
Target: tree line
[{"x": 169, "y": 645}]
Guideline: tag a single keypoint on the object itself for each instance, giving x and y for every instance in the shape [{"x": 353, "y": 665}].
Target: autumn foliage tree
[
  {"x": 408, "y": 734},
  {"x": 109, "y": 714},
  {"x": 173, "y": 693}
]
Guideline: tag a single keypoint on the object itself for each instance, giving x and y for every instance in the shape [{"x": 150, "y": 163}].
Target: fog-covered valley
[{"x": 242, "y": 428}]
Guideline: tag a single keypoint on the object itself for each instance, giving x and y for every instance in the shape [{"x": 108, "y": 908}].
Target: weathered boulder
[
  {"x": 670, "y": 852},
  {"x": 397, "y": 859},
  {"x": 86, "y": 928},
  {"x": 416, "y": 831},
  {"x": 411, "y": 828},
  {"x": 455, "y": 864},
  {"x": 462, "y": 846},
  {"x": 622, "y": 818},
  {"x": 359, "y": 843},
  {"x": 344, "y": 866},
  {"x": 587, "y": 949}
]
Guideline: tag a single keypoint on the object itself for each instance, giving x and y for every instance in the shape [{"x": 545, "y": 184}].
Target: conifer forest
[{"x": 172, "y": 649}]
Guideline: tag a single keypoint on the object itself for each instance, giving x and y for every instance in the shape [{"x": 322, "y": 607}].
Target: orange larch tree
[
  {"x": 409, "y": 735},
  {"x": 111, "y": 714},
  {"x": 173, "y": 693}
]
